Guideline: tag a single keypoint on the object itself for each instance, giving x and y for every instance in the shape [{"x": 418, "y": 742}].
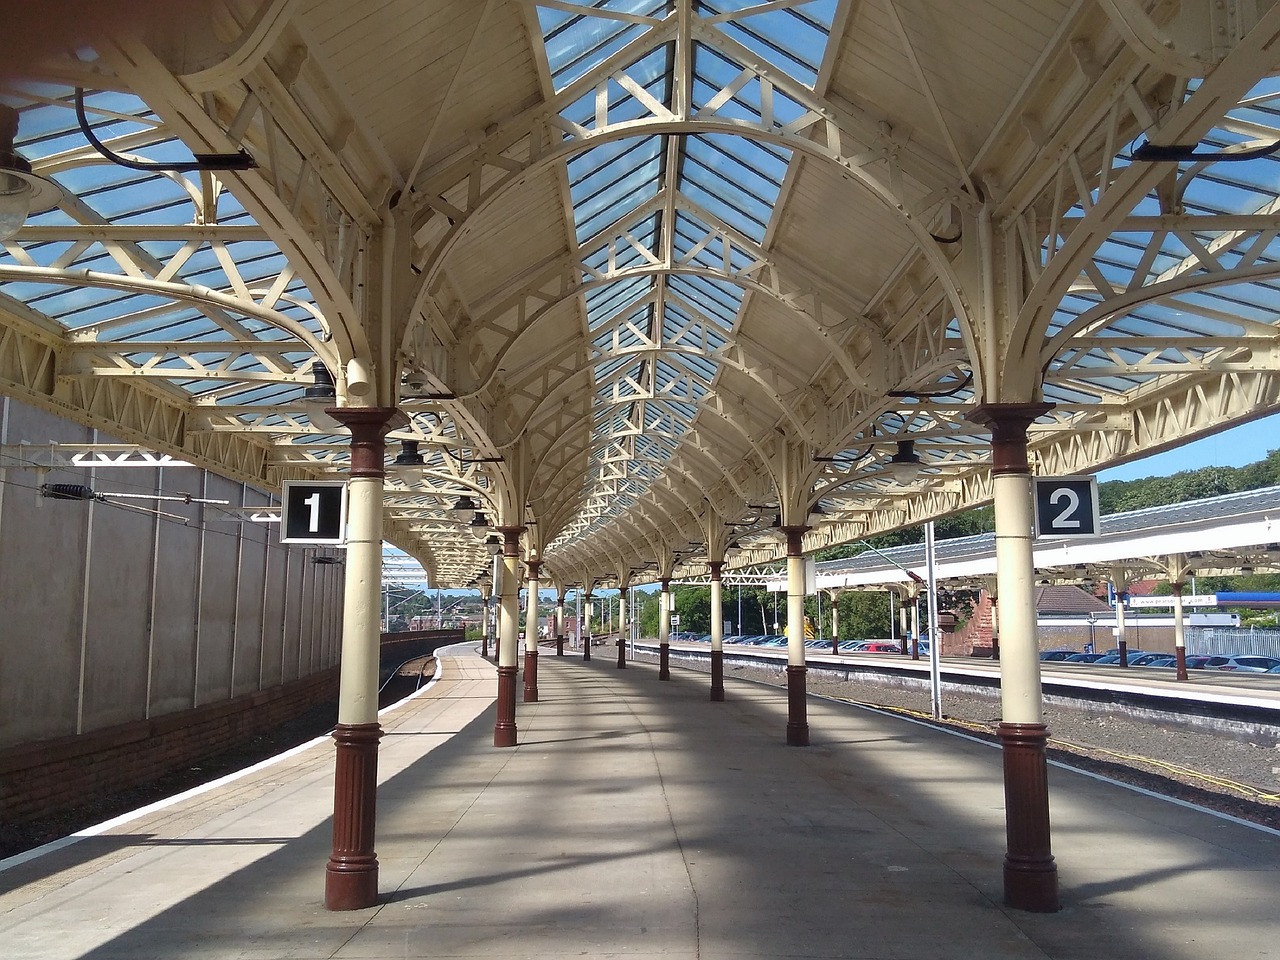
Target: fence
[{"x": 1225, "y": 641}]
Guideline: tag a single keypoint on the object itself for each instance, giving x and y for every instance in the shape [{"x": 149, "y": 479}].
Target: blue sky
[{"x": 1230, "y": 448}]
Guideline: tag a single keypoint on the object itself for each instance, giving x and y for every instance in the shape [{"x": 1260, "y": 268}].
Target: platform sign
[
  {"x": 314, "y": 511},
  {"x": 1066, "y": 507},
  {"x": 1194, "y": 600}
]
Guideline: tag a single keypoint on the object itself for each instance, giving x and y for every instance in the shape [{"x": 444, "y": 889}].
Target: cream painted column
[
  {"x": 531, "y": 635},
  {"x": 560, "y": 622},
  {"x": 586, "y": 627},
  {"x": 797, "y": 692},
  {"x": 717, "y": 632},
  {"x": 622, "y": 628},
  {"x": 351, "y": 876},
  {"x": 1030, "y": 874},
  {"x": 1179, "y": 629},
  {"x": 1120, "y": 590},
  {"x": 504, "y": 729},
  {"x": 664, "y": 631},
  {"x": 915, "y": 624},
  {"x": 484, "y": 617},
  {"x": 904, "y": 627},
  {"x": 835, "y": 622}
]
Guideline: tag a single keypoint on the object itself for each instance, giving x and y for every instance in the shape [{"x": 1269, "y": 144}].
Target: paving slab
[{"x": 636, "y": 819}]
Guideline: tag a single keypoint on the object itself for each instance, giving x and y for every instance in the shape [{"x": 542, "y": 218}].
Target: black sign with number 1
[{"x": 313, "y": 511}]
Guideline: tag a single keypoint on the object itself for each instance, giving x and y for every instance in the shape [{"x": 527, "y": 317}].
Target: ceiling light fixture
[
  {"x": 904, "y": 466},
  {"x": 322, "y": 393},
  {"x": 21, "y": 190},
  {"x": 463, "y": 509},
  {"x": 408, "y": 461}
]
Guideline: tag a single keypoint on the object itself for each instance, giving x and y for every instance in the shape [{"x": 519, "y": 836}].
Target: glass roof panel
[
  {"x": 577, "y": 43},
  {"x": 49, "y": 132},
  {"x": 791, "y": 38}
]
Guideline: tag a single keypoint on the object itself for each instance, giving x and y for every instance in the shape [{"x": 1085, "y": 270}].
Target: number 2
[{"x": 1073, "y": 503}]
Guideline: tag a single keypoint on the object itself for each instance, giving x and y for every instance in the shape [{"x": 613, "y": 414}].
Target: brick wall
[{"x": 43, "y": 777}]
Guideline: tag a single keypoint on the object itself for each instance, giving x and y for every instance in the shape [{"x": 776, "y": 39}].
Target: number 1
[{"x": 313, "y": 502}]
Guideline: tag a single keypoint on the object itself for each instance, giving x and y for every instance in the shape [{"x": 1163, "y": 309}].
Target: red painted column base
[
  {"x": 586, "y": 649},
  {"x": 1030, "y": 875},
  {"x": 664, "y": 661},
  {"x": 1181, "y": 653},
  {"x": 559, "y": 646},
  {"x": 717, "y": 676},
  {"x": 351, "y": 876},
  {"x": 504, "y": 730},
  {"x": 622, "y": 655},
  {"x": 797, "y": 707},
  {"x": 531, "y": 676}
]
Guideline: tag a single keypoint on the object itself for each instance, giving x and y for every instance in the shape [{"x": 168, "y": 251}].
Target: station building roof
[{"x": 643, "y": 274}]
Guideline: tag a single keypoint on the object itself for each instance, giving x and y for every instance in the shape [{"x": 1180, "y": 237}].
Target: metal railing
[{"x": 1227, "y": 641}]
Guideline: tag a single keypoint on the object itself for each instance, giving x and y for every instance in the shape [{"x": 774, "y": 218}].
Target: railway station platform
[{"x": 638, "y": 819}]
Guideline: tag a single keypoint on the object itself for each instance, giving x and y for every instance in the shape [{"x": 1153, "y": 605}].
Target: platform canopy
[{"x": 645, "y": 274}]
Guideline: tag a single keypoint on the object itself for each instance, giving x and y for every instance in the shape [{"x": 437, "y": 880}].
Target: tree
[
  {"x": 864, "y": 614},
  {"x": 693, "y": 605}
]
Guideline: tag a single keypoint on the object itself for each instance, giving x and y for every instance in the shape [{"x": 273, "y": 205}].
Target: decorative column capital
[
  {"x": 666, "y": 585},
  {"x": 795, "y": 540},
  {"x": 716, "y": 566},
  {"x": 1177, "y": 586},
  {"x": 369, "y": 427},
  {"x": 533, "y": 566},
  {"x": 511, "y": 540},
  {"x": 1008, "y": 423}
]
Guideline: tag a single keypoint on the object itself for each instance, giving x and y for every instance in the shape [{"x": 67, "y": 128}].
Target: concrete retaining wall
[{"x": 112, "y": 616}]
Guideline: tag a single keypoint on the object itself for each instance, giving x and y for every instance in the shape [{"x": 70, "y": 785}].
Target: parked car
[
  {"x": 1274, "y": 670},
  {"x": 881, "y": 646},
  {"x": 1145, "y": 659},
  {"x": 1250, "y": 663},
  {"x": 1163, "y": 660},
  {"x": 1202, "y": 661},
  {"x": 1084, "y": 658},
  {"x": 1048, "y": 655}
]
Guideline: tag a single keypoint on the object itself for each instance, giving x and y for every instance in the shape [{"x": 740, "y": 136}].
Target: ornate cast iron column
[
  {"x": 1030, "y": 874},
  {"x": 351, "y": 875},
  {"x": 531, "y": 635},
  {"x": 797, "y": 707},
  {"x": 717, "y": 632},
  {"x": 504, "y": 729}
]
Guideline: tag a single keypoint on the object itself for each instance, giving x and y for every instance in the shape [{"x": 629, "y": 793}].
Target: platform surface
[{"x": 638, "y": 819}]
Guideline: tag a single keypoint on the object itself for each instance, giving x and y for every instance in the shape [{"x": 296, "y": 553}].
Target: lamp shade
[
  {"x": 904, "y": 466},
  {"x": 463, "y": 509}
]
